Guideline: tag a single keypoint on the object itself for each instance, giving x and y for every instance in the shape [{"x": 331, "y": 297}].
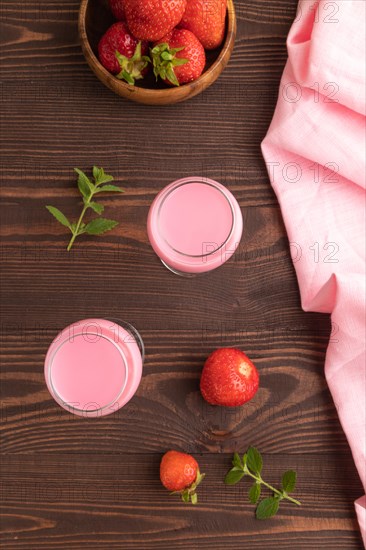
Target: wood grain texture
[
  {"x": 117, "y": 502},
  {"x": 74, "y": 483}
]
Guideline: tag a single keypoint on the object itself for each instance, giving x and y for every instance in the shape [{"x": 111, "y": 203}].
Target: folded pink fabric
[{"x": 315, "y": 155}]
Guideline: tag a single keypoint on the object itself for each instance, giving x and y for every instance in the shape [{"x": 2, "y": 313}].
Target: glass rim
[
  {"x": 180, "y": 183},
  {"x": 48, "y": 365}
]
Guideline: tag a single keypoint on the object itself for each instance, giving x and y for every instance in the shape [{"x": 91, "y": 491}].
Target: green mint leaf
[
  {"x": 110, "y": 188},
  {"x": 97, "y": 173},
  {"x": 289, "y": 481},
  {"x": 194, "y": 498},
  {"x": 237, "y": 461},
  {"x": 267, "y": 508},
  {"x": 99, "y": 226},
  {"x": 234, "y": 476},
  {"x": 105, "y": 179},
  {"x": 100, "y": 176},
  {"x": 84, "y": 184},
  {"x": 254, "y": 460},
  {"x": 60, "y": 217},
  {"x": 254, "y": 493},
  {"x": 97, "y": 207}
]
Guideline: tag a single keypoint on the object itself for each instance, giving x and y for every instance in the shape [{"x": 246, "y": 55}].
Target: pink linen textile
[{"x": 315, "y": 154}]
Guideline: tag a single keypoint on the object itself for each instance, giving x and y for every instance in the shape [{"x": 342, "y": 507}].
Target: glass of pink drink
[
  {"x": 194, "y": 225},
  {"x": 93, "y": 367}
]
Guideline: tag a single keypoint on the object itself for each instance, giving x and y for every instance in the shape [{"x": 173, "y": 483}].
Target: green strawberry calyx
[
  {"x": 132, "y": 67},
  {"x": 164, "y": 61},
  {"x": 189, "y": 494}
]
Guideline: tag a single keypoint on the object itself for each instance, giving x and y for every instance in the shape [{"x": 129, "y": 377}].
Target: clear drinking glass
[
  {"x": 93, "y": 367},
  {"x": 194, "y": 225}
]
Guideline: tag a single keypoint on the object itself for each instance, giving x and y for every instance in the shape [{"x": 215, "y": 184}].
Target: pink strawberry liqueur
[
  {"x": 94, "y": 366},
  {"x": 194, "y": 225}
]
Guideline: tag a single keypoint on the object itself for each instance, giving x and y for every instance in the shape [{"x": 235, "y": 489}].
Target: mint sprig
[
  {"x": 251, "y": 465},
  {"x": 88, "y": 190}
]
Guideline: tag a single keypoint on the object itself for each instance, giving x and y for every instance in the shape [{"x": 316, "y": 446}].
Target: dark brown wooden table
[{"x": 70, "y": 483}]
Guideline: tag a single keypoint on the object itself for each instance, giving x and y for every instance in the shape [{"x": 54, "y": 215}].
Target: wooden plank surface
[
  {"x": 71, "y": 483},
  {"x": 104, "y": 502}
]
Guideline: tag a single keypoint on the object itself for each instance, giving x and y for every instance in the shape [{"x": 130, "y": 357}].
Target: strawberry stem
[
  {"x": 189, "y": 493},
  {"x": 164, "y": 61},
  {"x": 132, "y": 67}
]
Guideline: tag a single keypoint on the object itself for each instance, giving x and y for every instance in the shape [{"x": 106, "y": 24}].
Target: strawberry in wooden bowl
[
  {"x": 156, "y": 22},
  {"x": 178, "y": 58}
]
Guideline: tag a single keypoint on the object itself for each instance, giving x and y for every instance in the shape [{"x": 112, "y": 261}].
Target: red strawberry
[
  {"x": 229, "y": 378},
  {"x": 121, "y": 54},
  {"x": 178, "y": 58},
  {"x": 179, "y": 472},
  {"x": 152, "y": 19},
  {"x": 118, "y": 9},
  {"x": 206, "y": 19}
]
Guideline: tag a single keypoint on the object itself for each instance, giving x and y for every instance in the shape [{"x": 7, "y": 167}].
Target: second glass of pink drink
[{"x": 194, "y": 225}]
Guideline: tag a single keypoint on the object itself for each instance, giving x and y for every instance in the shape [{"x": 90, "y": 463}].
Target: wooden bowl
[{"x": 95, "y": 18}]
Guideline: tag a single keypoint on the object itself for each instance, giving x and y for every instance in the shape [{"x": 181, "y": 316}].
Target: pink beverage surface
[
  {"x": 204, "y": 213},
  {"x": 93, "y": 364},
  {"x": 86, "y": 371}
]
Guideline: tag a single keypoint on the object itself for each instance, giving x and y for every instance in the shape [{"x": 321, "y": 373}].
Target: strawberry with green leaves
[
  {"x": 122, "y": 54},
  {"x": 179, "y": 473},
  {"x": 178, "y": 58}
]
